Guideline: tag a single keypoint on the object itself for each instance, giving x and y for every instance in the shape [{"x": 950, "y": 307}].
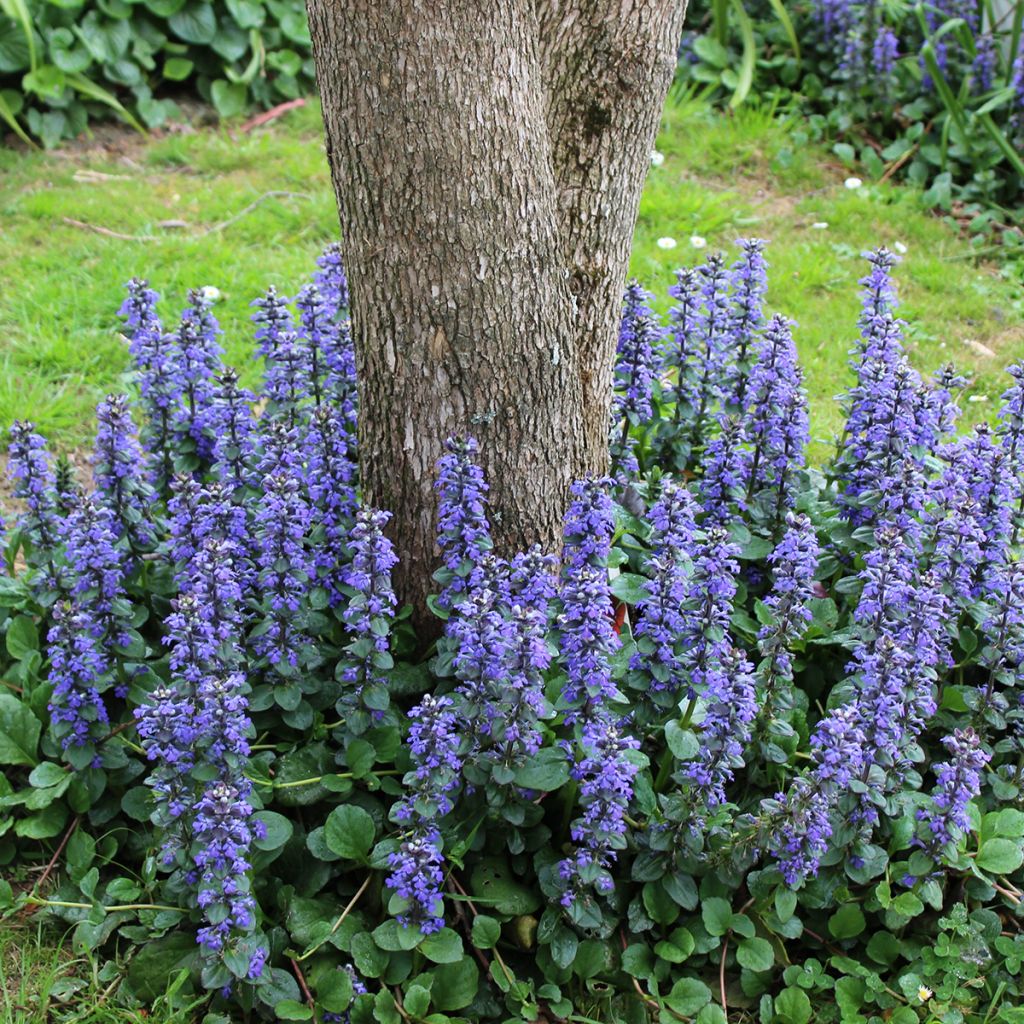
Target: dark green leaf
[
  {"x": 688, "y": 996},
  {"x": 350, "y": 832},
  {"x": 455, "y": 985},
  {"x": 19, "y": 732},
  {"x": 22, "y": 637},
  {"x": 195, "y": 23},
  {"x": 443, "y": 947},
  {"x": 755, "y": 954},
  {"x": 793, "y": 1006}
]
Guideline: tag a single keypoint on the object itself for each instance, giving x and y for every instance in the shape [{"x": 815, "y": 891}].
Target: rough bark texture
[{"x": 488, "y": 161}]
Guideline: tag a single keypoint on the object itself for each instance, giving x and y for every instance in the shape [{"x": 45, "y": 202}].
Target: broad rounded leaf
[
  {"x": 1000, "y": 856},
  {"x": 756, "y": 954},
  {"x": 19, "y": 732},
  {"x": 349, "y": 832},
  {"x": 688, "y": 996},
  {"x": 443, "y": 947},
  {"x": 195, "y": 23},
  {"x": 847, "y": 922},
  {"x": 793, "y": 1006}
]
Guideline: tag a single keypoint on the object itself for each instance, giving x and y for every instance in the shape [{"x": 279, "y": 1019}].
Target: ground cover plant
[
  {"x": 931, "y": 91},
  {"x": 718, "y": 177},
  {"x": 64, "y": 62},
  {"x": 751, "y": 745}
]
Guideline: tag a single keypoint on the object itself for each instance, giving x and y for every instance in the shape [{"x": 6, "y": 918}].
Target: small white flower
[
  {"x": 853, "y": 183},
  {"x": 210, "y": 293},
  {"x": 899, "y": 247},
  {"x": 666, "y": 243},
  {"x": 924, "y": 993},
  {"x": 657, "y": 159},
  {"x": 698, "y": 241},
  {"x": 820, "y": 225},
  {"x": 977, "y": 398}
]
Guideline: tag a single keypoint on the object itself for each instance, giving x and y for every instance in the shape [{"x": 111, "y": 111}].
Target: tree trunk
[{"x": 488, "y": 161}]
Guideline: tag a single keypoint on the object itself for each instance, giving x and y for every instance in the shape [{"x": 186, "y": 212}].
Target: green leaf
[
  {"x": 455, "y": 985},
  {"x": 546, "y": 771},
  {"x": 195, "y": 23},
  {"x": 393, "y": 937},
  {"x": 486, "y": 931},
  {"x": 756, "y": 954},
  {"x": 745, "y": 78},
  {"x": 88, "y": 88},
  {"x": 46, "y": 81},
  {"x": 711, "y": 51},
  {"x": 177, "y": 69},
  {"x": 19, "y": 732},
  {"x": 334, "y": 991},
  {"x": 688, "y": 996},
  {"x": 717, "y": 915},
  {"x": 47, "y": 774},
  {"x": 279, "y": 830},
  {"x": 494, "y": 884},
  {"x": 230, "y": 98},
  {"x": 443, "y": 947},
  {"x": 22, "y": 638},
  {"x": 682, "y": 742},
  {"x": 793, "y": 1006},
  {"x": 591, "y": 959},
  {"x": 629, "y": 587},
  {"x": 785, "y": 903},
  {"x": 157, "y": 962},
  {"x": 1000, "y": 856},
  {"x": 349, "y": 832},
  {"x": 8, "y": 116},
  {"x": 417, "y": 1001},
  {"x": 847, "y": 922},
  {"x": 292, "y": 1009},
  {"x": 247, "y": 13},
  {"x": 678, "y": 947}
]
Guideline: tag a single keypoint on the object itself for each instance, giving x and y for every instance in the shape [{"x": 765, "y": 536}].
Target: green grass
[
  {"x": 43, "y": 982},
  {"x": 723, "y": 177}
]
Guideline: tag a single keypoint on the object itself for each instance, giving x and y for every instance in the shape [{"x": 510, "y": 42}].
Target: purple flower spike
[
  {"x": 371, "y": 608},
  {"x": 463, "y": 532},
  {"x": 605, "y": 775},
  {"x": 331, "y": 280},
  {"x": 958, "y": 782},
  {"x": 35, "y": 485},
  {"x": 118, "y": 464}
]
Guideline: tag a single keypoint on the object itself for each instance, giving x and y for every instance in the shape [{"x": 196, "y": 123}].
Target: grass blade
[
  {"x": 952, "y": 104},
  {"x": 1003, "y": 143},
  {"x": 7, "y": 115},
  {"x": 720, "y": 21},
  {"x": 17, "y": 10},
  {"x": 747, "y": 62},
  {"x": 96, "y": 92},
  {"x": 779, "y": 7}
]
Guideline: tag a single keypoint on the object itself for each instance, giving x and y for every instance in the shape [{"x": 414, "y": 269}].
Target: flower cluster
[
  {"x": 463, "y": 532},
  {"x": 742, "y": 672}
]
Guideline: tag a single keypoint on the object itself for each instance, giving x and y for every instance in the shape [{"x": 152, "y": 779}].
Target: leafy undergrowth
[{"x": 722, "y": 176}]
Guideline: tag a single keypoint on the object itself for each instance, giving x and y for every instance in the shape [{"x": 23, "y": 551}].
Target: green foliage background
[{"x": 64, "y": 61}]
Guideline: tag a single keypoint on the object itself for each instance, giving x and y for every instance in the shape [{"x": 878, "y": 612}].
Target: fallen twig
[
  {"x": 106, "y": 232},
  {"x": 305, "y": 988},
  {"x": 272, "y": 114},
  {"x": 337, "y": 924},
  {"x": 245, "y": 211},
  {"x": 56, "y": 855}
]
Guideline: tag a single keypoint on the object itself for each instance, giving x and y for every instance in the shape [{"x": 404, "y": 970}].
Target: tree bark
[{"x": 488, "y": 161}]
